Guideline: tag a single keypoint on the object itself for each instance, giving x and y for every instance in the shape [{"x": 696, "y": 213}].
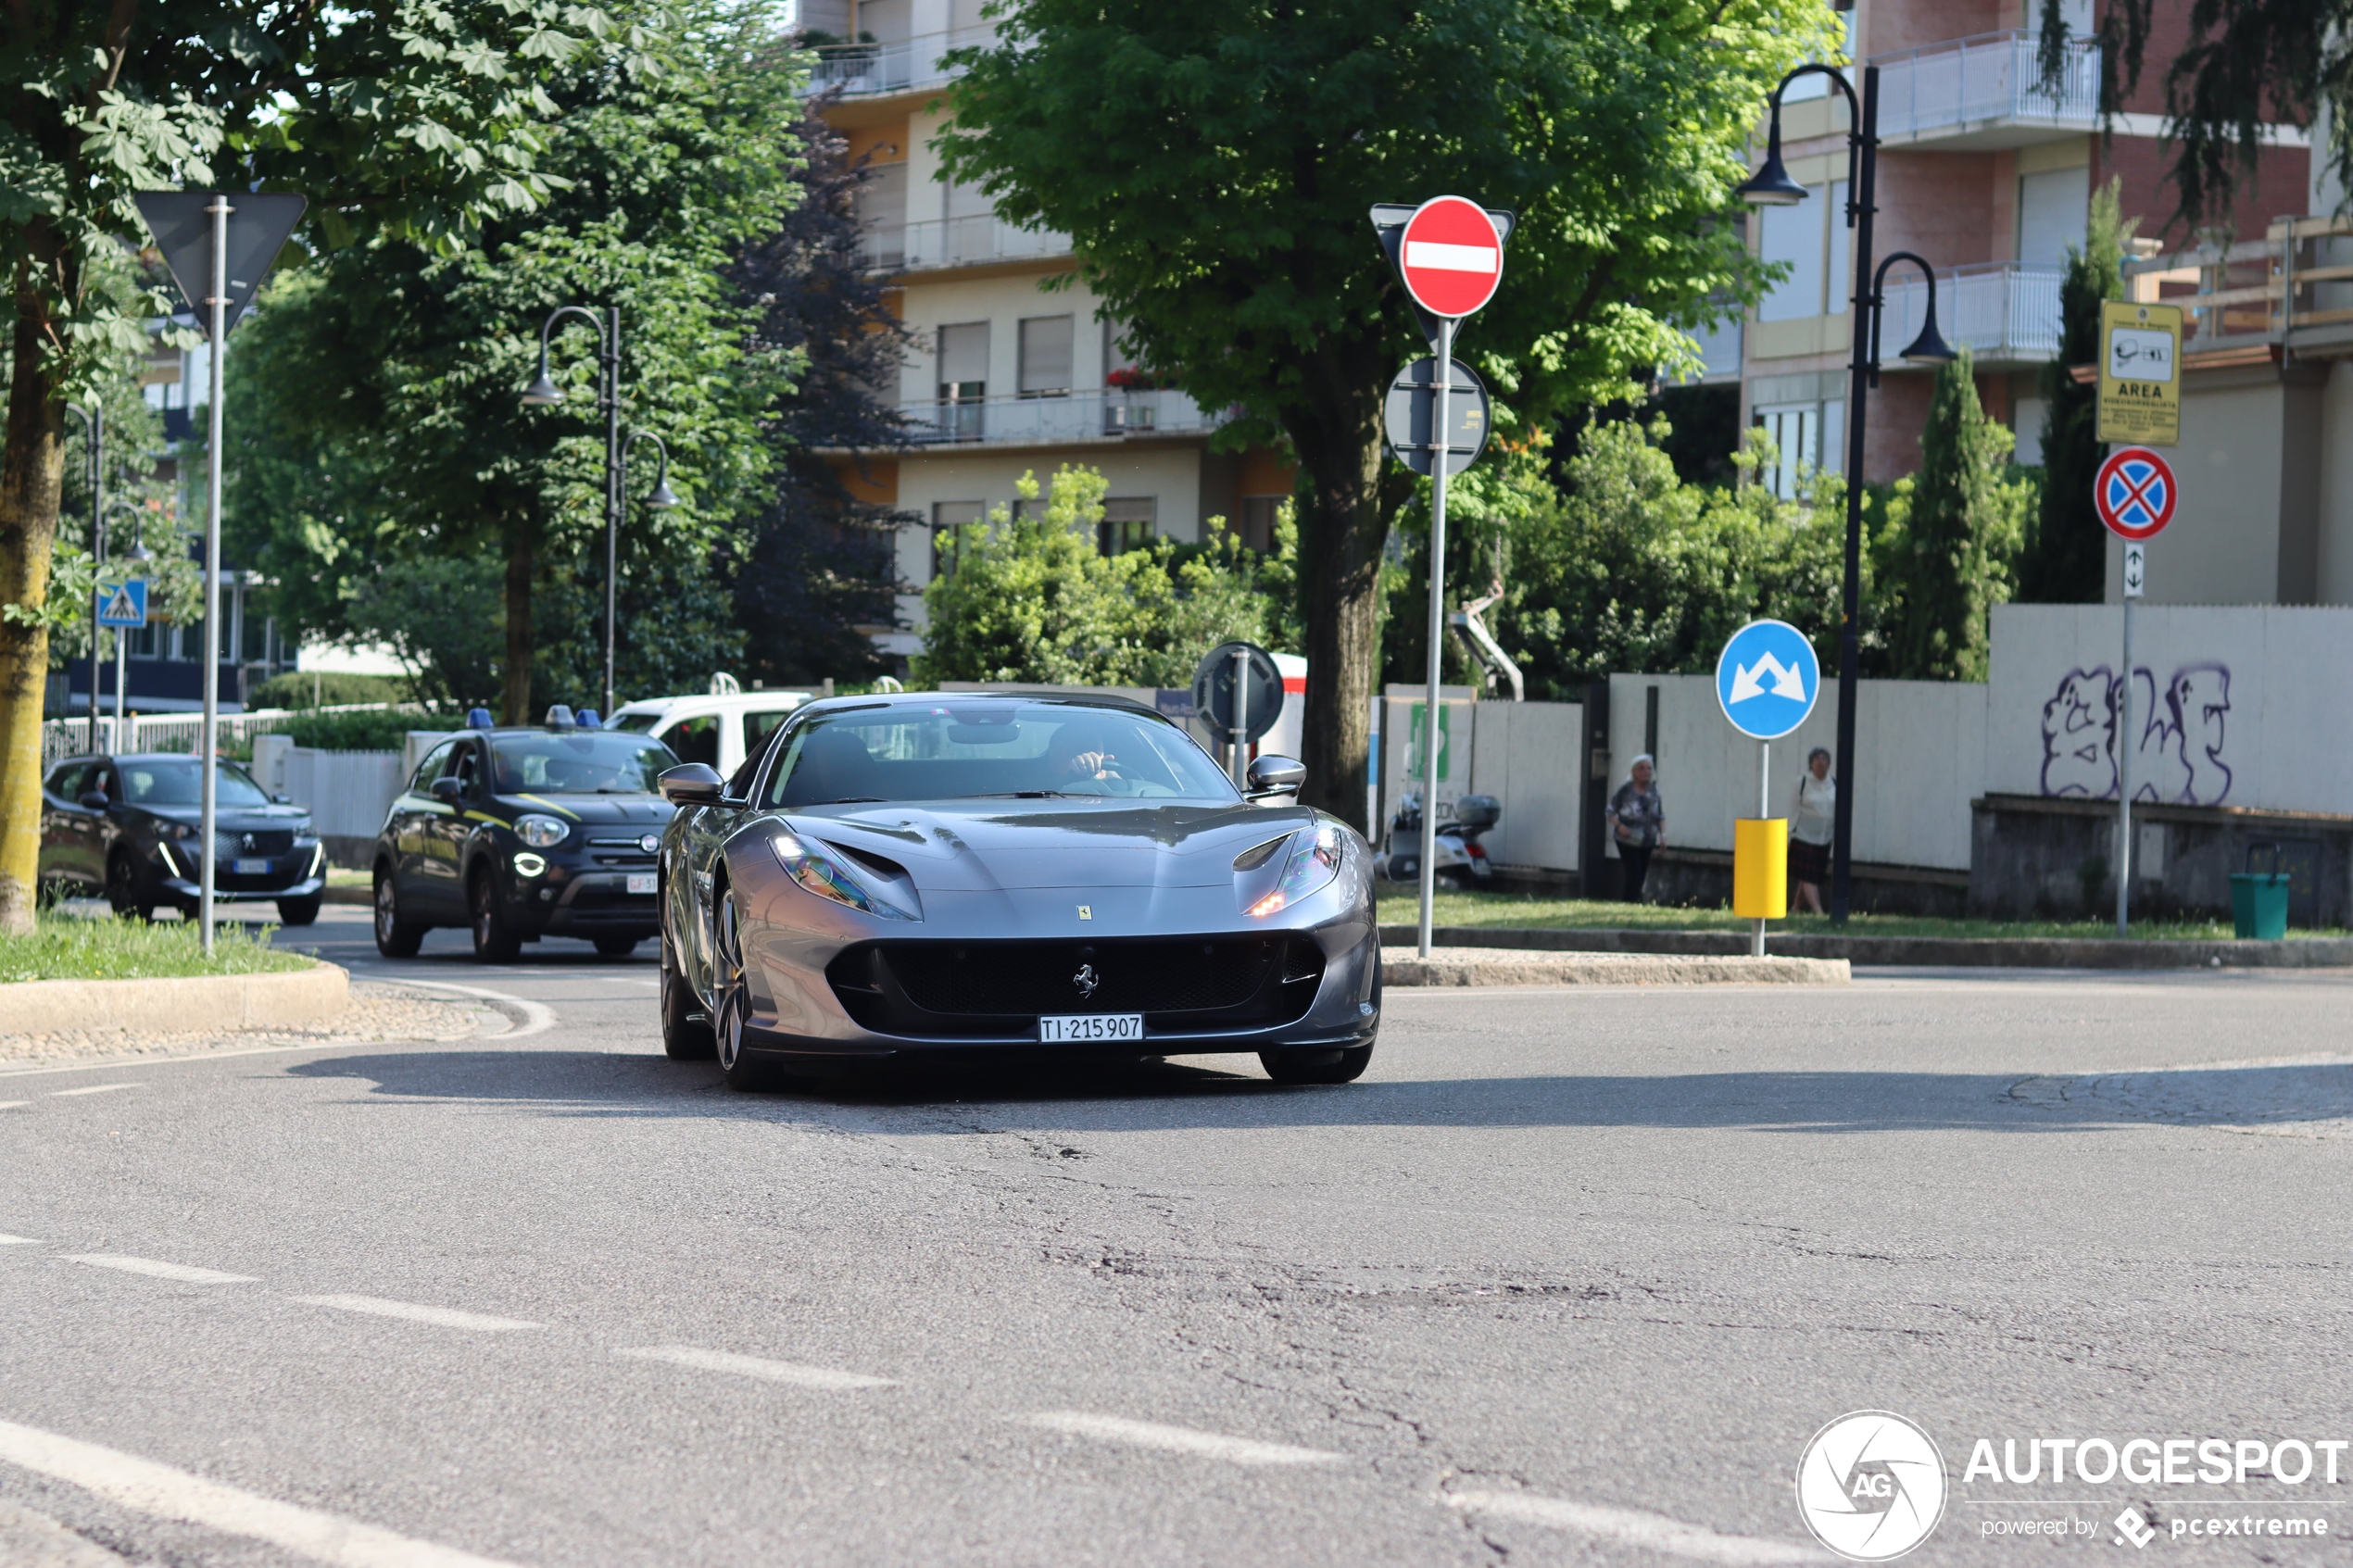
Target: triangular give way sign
[{"x": 182, "y": 223}]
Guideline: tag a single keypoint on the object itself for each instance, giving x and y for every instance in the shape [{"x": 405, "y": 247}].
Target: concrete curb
[
  {"x": 224, "y": 1001},
  {"x": 337, "y": 893},
  {"x": 1505, "y": 966},
  {"x": 1989, "y": 953}
]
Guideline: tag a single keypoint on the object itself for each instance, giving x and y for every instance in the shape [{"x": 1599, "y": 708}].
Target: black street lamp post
[
  {"x": 543, "y": 393},
  {"x": 1771, "y": 186}
]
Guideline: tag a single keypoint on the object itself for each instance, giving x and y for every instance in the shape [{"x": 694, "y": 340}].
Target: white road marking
[
  {"x": 161, "y": 1270},
  {"x": 1633, "y": 1527},
  {"x": 446, "y": 1317},
  {"x": 1174, "y": 1439},
  {"x": 18, "y": 1241},
  {"x": 148, "y": 1487},
  {"x": 538, "y": 1017},
  {"x": 93, "y": 1089},
  {"x": 13, "y": 1104},
  {"x": 757, "y": 1366}
]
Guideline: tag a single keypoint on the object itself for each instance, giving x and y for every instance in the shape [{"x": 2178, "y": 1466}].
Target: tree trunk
[
  {"x": 1338, "y": 441},
  {"x": 32, "y": 472},
  {"x": 514, "y": 701}
]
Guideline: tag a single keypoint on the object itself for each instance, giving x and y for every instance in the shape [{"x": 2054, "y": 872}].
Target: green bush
[
  {"x": 381, "y": 729},
  {"x": 298, "y": 688}
]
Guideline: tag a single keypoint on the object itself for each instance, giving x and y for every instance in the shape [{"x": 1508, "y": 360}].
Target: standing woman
[
  {"x": 1811, "y": 824},
  {"x": 1639, "y": 820}
]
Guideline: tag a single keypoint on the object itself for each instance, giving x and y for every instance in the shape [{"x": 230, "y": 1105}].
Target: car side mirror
[
  {"x": 446, "y": 789},
  {"x": 692, "y": 783},
  {"x": 1272, "y": 775},
  {"x": 93, "y": 800},
  {"x": 281, "y": 799}
]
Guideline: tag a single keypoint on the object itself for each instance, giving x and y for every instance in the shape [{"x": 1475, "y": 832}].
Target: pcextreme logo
[{"x": 1871, "y": 1486}]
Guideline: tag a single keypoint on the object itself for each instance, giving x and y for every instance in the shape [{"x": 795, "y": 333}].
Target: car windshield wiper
[
  {"x": 859, "y": 800},
  {"x": 1030, "y": 795}
]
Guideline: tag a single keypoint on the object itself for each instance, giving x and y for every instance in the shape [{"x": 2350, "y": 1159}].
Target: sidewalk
[{"x": 1990, "y": 952}]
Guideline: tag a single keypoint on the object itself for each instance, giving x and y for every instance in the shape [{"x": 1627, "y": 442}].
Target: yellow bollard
[{"x": 1760, "y": 868}]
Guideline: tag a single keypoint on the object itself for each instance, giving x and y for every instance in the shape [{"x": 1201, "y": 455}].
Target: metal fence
[
  {"x": 956, "y": 242},
  {"x": 173, "y": 732},
  {"x": 1994, "y": 77},
  {"x": 2000, "y": 310},
  {"x": 904, "y": 66},
  {"x": 1075, "y": 416}
]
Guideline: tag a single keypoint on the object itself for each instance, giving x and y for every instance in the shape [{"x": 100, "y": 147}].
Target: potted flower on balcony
[{"x": 1134, "y": 409}]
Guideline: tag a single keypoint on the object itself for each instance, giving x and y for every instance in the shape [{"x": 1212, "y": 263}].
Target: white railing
[
  {"x": 2000, "y": 310},
  {"x": 906, "y": 66},
  {"x": 173, "y": 732},
  {"x": 1964, "y": 84},
  {"x": 1078, "y": 416},
  {"x": 955, "y": 242}
]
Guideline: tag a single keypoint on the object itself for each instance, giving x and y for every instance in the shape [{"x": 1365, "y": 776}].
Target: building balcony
[
  {"x": 956, "y": 242},
  {"x": 909, "y": 65},
  {"x": 1983, "y": 93},
  {"x": 2003, "y": 312},
  {"x": 1075, "y": 417}
]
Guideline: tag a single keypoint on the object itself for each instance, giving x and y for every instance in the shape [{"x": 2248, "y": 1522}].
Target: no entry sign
[
  {"x": 1451, "y": 257},
  {"x": 2135, "y": 494}
]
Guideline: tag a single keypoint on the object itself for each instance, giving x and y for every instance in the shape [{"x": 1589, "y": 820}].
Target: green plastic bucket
[{"x": 2259, "y": 905}]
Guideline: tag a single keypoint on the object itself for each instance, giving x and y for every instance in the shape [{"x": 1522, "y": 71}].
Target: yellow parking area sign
[{"x": 2140, "y": 373}]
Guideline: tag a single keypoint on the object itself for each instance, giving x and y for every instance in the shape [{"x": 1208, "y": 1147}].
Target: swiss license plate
[
  {"x": 1061, "y": 1029},
  {"x": 641, "y": 882},
  {"x": 250, "y": 867}
]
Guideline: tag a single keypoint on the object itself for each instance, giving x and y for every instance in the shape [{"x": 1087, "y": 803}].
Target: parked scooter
[{"x": 1461, "y": 859}]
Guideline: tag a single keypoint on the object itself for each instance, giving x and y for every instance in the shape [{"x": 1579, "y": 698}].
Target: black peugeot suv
[
  {"x": 524, "y": 833},
  {"x": 131, "y": 827}
]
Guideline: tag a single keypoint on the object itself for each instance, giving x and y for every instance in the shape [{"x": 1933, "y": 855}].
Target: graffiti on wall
[{"x": 2182, "y": 732}]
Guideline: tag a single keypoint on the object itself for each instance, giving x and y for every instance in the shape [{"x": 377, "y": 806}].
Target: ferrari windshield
[
  {"x": 579, "y": 762},
  {"x": 983, "y": 750}
]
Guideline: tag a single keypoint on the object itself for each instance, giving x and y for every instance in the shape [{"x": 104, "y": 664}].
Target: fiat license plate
[
  {"x": 1065, "y": 1028},
  {"x": 641, "y": 882},
  {"x": 249, "y": 868}
]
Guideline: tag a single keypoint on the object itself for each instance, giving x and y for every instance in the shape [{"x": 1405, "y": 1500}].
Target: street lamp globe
[
  {"x": 663, "y": 498},
  {"x": 1929, "y": 348},
  {"x": 541, "y": 393},
  {"x": 1771, "y": 186}
]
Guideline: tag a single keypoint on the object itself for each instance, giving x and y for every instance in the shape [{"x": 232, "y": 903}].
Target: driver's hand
[{"x": 1092, "y": 764}]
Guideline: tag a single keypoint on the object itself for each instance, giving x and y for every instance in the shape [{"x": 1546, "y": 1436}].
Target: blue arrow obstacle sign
[
  {"x": 123, "y": 604},
  {"x": 1767, "y": 679}
]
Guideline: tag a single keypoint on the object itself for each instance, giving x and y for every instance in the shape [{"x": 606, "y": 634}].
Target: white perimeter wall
[
  {"x": 2238, "y": 705},
  {"x": 1522, "y": 753},
  {"x": 1921, "y": 746}
]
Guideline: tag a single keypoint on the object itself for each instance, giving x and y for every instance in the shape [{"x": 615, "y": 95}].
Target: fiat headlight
[
  {"x": 1315, "y": 862},
  {"x": 826, "y": 877},
  {"x": 529, "y": 865},
  {"x": 540, "y": 832}
]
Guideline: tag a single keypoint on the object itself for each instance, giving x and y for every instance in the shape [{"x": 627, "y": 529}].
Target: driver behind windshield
[{"x": 1086, "y": 761}]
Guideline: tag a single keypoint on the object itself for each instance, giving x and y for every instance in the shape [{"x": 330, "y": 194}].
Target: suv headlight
[
  {"x": 827, "y": 878},
  {"x": 540, "y": 831},
  {"x": 1315, "y": 862}
]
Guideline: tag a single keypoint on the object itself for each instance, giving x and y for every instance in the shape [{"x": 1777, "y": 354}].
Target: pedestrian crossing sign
[{"x": 123, "y": 604}]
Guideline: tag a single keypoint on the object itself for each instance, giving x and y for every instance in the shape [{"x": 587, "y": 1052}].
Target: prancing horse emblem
[{"x": 1085, "y": 980}]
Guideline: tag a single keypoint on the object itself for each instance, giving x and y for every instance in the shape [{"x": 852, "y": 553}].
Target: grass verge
[
  {"x": 66, "y": 946},
  {"x": 1509, "y": 910}
]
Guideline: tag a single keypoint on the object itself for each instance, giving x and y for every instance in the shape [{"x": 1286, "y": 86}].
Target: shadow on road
[{"x": 1096, "y": 1097}]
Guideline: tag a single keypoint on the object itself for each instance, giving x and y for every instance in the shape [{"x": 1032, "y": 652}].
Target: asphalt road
[{"x": 1571, "y": 1277}]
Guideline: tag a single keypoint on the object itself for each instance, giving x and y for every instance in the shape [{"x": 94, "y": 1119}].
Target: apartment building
[
  {"x": 1004, "y": 375},
  {"x": 1989, "y": 177}
]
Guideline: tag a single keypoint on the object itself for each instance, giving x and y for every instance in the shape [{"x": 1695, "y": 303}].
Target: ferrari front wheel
[
  {"x": 686, "y": 1028},
  {"x": 730, "y": 1002}
]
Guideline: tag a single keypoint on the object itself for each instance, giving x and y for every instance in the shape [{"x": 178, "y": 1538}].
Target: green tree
[
  {"x": 381, "y": 417},
  {"x": 1215, "y": 164},
  {"x": 1031, "y": 597},
  {"x": 1958, "y": 527},
  {"x": 2065, "y": 559},
  {"x": 408, "y": 117}
]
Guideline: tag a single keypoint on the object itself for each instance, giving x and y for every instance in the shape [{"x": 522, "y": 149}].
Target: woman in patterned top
[{"x": 1639, "y": 819}]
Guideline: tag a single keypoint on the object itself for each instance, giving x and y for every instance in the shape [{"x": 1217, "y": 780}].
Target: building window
[
  {"x": 963, "y": 379},
  {"x": 1045, "y": 357},
  {"x": 1806, "y": 437},
  {"x": 1255, "y": 528},
  {"x": 947, "y": 518},
  {"x": 1126, "y": 525},
  {"x": 1793, "y": 235}
]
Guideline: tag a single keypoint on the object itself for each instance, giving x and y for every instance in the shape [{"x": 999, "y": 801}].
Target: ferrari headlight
[
  {"x": 826, "y": 877},
  {"x": 1315, "y": 862},
  {"x": 540, "y": 831}
]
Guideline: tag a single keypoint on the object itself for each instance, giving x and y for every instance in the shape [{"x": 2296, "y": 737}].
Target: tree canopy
[{"x": 1215, "y": 165}]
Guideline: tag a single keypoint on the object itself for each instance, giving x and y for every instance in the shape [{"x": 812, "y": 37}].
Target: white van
[{"x": 718, "y": 730}]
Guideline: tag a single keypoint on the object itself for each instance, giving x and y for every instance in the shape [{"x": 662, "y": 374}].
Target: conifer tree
[{"x": 2066, "y": 560}]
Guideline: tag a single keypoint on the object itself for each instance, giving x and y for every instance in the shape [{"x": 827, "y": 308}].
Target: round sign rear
[
  {"x": 2135, "y": 494},
  {"x": 1451, "y": 257}
]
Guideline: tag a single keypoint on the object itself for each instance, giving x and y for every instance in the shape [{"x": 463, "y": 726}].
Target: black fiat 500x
[
  {"x": 131, "y": 826},
  {"x": 524, "y": 833}
]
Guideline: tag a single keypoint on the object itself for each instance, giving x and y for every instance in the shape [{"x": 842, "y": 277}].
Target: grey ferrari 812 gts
[{"x": 932, "y": 872}]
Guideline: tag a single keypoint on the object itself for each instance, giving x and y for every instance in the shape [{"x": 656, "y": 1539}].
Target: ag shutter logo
[{"x": 1871, "y": 1486}]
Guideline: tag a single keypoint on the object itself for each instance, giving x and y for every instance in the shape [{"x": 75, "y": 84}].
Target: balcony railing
[
  {"x": 2000, "y": 313},
  {"x": 1077, "y": 416},
  {"x": 2258, "y": 300},
  {"x": 907, "y": 66},
  {"x": 955, "y": 242},
  {"x": 1985, "y": 92}
]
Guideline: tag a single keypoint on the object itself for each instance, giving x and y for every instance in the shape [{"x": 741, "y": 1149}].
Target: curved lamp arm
[
  {"x": 1771, "y": 184},
  {"x": 662, "y": 498},
  {"x": 544, "y": 391},
  {"x": 1929, "y": 347},
  {"x": 138, "y": 551}
]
